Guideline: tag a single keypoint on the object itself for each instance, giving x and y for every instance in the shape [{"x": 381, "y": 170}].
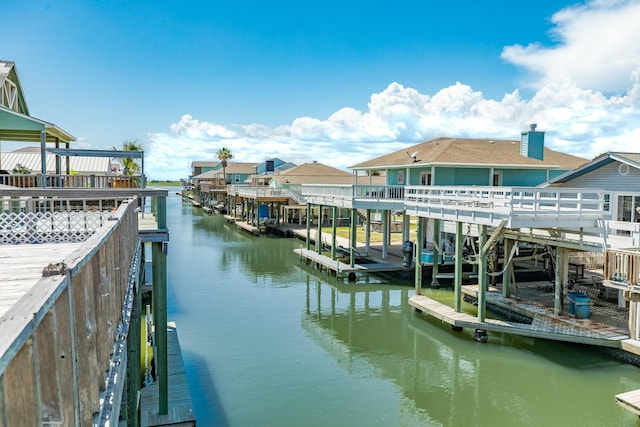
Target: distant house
[
  {"x": 465, "y": 161},
  {"x": 310, "y": 173},
  {"x": 198, "y": 167},
  {"x": 236, "y": 173},
  {"x": 263, "y": 171}
]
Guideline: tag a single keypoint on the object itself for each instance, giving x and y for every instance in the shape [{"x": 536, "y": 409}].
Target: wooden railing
[
  {"x": 622, "y": 266},
  {"x": 63, "y": 342}
]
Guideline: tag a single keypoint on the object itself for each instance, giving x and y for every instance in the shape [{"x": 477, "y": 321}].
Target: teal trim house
[{"x": 469, "y": 162}]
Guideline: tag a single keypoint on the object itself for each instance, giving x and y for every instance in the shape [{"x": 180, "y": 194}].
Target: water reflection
[
  {"x": 270, "y": 341},
  {"x": 447, "y": 377}
]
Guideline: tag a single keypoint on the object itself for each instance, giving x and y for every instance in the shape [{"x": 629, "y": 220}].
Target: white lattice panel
[{"x": 49, "y": 227}]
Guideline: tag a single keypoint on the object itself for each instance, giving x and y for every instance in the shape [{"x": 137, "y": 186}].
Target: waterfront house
[
  {"x": 263, "y": 171},
  {"x": 210, "y": 187},
  {"x": 200, "y": 167},
  {"x": 469, "y": 161}
]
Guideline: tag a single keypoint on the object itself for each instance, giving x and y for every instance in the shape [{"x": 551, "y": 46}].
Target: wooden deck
[
  {"x": 21, "y": 268},
  {"x": 180, "y": 404},
  {"x": 545, "y": 325},
  {"x": 341, "y": 268},
  {"x": 630, "y": 400}
]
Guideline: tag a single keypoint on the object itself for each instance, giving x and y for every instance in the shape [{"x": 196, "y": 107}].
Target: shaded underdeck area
[{"x": 534, "y": 317}]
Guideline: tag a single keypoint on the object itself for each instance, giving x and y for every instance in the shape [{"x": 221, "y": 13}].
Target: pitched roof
[
  {"x": 314, "y": 173},
  {"x": 468, "y": 151},
  {"x": 9, "y": 77},
  {"x": 203, "y": 164},
  {"x": 31, "y": 160},
  {"x": 631, "y": 159},
  {"x": 232, "y": 167}
]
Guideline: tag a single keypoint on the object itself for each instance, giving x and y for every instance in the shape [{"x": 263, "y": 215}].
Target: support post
[
  {"x": 353, "y": 239},
  {"x": 557, "y": 300},
  {"x": 43, "y": 157},
  {"x": 436, "y": 253},
  {"x": 367, "y": 232},
  {"x": 308, "y": 226},
  {"x": 159, "y": 274},
  {"x": 457, "y": 272},
  {"x": 334, "y": 215},
  {"x": 386, "y": 223},
  {"x": 319, "y": 232},
  {"x": 482, "y": 276},
  {"x": 506, "y": 274},
  {"x": 418, "y": 255}
]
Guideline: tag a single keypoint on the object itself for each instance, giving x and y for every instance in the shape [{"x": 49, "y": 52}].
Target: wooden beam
[{"x": 497, "y": 233}]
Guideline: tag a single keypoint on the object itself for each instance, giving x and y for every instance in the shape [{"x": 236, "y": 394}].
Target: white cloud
[
  {"x": 596, "y": 47},
  {"x": 597, "y": 54}
]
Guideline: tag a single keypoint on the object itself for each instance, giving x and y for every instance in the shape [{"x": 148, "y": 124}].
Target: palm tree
[
  {"x": 224, "y": 154},
  {"x": 129, "y": 165}
]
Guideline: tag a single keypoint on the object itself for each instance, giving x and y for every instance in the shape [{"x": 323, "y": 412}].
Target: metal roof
[{"x": 31, "y": 160}]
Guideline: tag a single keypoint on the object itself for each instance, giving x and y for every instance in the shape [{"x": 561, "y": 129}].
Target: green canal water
[{"x": 268, "y": 341}]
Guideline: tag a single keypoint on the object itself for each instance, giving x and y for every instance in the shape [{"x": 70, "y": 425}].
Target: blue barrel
[{"x": 580, "y": 305}]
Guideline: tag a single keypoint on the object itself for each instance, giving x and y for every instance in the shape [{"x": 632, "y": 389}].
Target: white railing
[
  {"x": 324, "y": 190},
  {"x": 259, "y": 192},
  {"x": 49, "y": 227},
  {"x": 533, "y": 202},
  {"x": 378, "y": 192}
]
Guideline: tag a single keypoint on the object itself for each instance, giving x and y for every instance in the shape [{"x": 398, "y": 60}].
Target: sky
[{"x": 338, "y": 82}]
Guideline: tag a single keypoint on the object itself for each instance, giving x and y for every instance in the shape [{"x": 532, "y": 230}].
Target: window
[
  {"x": 497, "y": 179},
  {"x": 400, "y": 177},
  {"x": 624, "y": 208},
  {"x": 236, "y": 178},
  {"x": 425, "y": 178}
]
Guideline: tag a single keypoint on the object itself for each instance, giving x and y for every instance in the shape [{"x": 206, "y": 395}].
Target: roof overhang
[
  {"x": 455, "y": 165},
  {"x": 22, "y": 128},
  {"x": 594, "y": 164},
  {"x": 117, "y": 154}
]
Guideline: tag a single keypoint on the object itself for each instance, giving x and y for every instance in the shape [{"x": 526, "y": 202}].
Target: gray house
[{"x": 618, "y": 174}]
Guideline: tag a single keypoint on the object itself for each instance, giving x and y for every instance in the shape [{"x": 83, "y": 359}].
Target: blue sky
[{"x": 335, "y": 81}]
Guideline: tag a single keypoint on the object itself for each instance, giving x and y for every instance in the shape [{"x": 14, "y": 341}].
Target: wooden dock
[
  {"x": 545, "y": 325},
  {"x": 180, "y": 404},
  {"x": 340, "y": 267},
  {"x": 629, "y": 400}
]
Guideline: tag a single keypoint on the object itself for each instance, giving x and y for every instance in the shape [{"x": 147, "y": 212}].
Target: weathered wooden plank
[
  {"x": 19, "y": 390},
  {"x": 180, "y": 404}
]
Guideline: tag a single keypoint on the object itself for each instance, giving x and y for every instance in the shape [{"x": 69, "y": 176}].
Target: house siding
[
  {"x": 608, "y": 178},
  {"x": 462, "y": 176},
  {"x": 522, "y": 177}
]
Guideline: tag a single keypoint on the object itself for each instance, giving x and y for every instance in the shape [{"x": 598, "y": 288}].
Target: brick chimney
[{"x": 532, "y": 143}]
